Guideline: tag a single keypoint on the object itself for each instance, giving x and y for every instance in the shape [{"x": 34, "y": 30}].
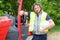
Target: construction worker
[{"x": 38, "y": 19}]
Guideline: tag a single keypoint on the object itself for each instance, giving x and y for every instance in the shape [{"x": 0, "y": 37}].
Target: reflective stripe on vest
[{"x": 32, "y": 18}]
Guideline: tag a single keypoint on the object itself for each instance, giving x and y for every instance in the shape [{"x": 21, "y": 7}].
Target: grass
[{"x": 55, "y": 28}]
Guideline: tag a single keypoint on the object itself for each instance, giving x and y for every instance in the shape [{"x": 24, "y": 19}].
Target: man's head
[{"x": 36, "y": 7}]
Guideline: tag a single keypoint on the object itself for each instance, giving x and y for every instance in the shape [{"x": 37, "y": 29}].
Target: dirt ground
[{"x": 54, "y": 35}]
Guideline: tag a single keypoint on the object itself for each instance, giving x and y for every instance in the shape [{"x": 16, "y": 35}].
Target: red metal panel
[{"x": 4, "y": 26}]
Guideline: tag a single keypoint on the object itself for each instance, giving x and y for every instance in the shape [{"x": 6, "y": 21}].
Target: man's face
[{"x": 37, "y": 9}]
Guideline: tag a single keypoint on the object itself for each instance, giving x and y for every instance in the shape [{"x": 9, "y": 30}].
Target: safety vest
[{"x": 32, "y": 18}]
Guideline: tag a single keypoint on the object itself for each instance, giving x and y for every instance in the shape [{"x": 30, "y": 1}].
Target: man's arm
[
  {"x": 26, "y": 14},
  {"x": 51, "y": 24}
]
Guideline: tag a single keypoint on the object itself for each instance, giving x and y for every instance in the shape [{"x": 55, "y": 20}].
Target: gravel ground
[{"x": 54, "y": 35}]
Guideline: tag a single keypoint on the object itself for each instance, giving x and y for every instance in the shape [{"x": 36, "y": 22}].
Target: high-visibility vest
[{"x": 32, "y": 18}]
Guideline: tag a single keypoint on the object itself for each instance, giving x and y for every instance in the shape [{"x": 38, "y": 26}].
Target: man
[{"x": 36, "y": 22}]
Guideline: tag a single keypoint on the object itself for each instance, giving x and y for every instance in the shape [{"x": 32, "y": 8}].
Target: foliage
[
  {"x": 52, "y": 7},
  {"x": 8, "y": 6},
  {"x": 56, "y": 28},
  {"x": 27, "y": 4}
]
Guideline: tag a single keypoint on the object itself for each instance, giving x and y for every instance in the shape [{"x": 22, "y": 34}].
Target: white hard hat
[{"x": 45, "y": 23}]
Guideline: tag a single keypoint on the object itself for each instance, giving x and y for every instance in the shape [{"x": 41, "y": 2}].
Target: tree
[{"x": 52, "y": 7}]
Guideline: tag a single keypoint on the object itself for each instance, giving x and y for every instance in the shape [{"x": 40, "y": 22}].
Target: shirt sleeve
[
  {"x": 28, "y": 14},
  {"x": 28, "y": 17},
  {"x": 48, "y": 17}
]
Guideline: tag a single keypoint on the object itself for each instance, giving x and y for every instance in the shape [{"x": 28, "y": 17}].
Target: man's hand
[
  {"x": 41, "y": 30},
  {"x": 21, "y": 13}
]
